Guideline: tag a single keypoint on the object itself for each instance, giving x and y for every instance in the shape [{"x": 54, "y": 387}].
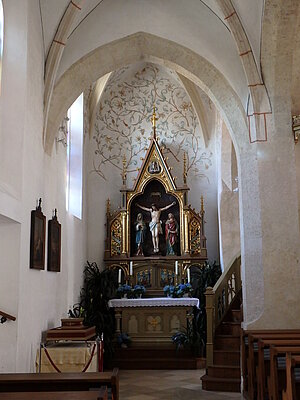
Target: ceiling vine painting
[{"x": 123, "y": 122}]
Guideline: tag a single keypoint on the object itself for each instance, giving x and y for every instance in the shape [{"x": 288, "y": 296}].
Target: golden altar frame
[{"x": 119, "y": 245}]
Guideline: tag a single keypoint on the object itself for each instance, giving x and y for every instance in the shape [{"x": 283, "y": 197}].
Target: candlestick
[
  {"x": 176, "y": 267},
  {"x": 131, "y": 268},
  {"x": 188, "y": 275},
  {"x": 120, "y": 276}
]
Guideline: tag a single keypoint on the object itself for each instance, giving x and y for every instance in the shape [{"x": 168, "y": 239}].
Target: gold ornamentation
[
  {"x": 296, "y": 127},
  {"x": 202, "y": 207},
  {"x": 124, "y": 170},
  {"x": 195, "y": 231},
  {"x": 116, "y": 238},
  {"x": 184, "y": 169},
  {"x": 154, "y": 119},
  {"x": 108, "y": 208},
  {"x": 154, "y": 323}
]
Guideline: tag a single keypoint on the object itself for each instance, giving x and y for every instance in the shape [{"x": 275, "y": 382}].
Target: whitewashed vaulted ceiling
[{"x": 196, "y": 24}]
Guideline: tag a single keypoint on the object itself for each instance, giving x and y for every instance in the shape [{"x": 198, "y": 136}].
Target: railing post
[{"x": 209, "y": 305}]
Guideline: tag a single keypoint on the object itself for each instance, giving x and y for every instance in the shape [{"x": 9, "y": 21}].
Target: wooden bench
[
  {"x": 277, "y": 376},
  {"x": 50, "y": 382},
  {"x": 291, "y": 392},
  {"x": 249, "y": 353},
  {"x": 263, "y": 366},
  {"x": 82, "y": 395}
]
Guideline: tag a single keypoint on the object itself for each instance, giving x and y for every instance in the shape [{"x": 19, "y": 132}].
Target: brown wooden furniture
[
  {"x": 277, "y": 375},
  {"x": 48, "y": 382},
  {"x": 291, "y": 392},
  {"x": 263, "y": 367},
  {"x": 249, "y": 351},
  {"x": 100, "y": 394}
]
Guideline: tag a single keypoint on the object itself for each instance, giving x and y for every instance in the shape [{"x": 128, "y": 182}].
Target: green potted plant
[{"x": 98, "y": 288}]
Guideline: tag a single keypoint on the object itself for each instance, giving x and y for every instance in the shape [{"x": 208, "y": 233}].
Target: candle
[
  {"x": 131, "y": 268},
  {"x": 176, "y": 267},
  {"x": 188, "y": 275},
  {"x": 120, "y": 275}
]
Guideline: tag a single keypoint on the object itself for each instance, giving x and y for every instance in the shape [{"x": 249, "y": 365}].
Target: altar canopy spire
[{"x": 154, "y": 119}]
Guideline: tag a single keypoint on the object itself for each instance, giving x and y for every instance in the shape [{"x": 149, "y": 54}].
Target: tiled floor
[{"x": 167, "y": 385}]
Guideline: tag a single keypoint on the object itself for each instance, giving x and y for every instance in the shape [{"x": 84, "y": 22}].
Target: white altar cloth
[{"x": 155, "y": 302}]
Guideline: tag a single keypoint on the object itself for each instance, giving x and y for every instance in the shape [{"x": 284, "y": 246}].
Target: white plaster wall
[
  {"x": 40, "y": 298},
  {"x": 228, "y": 199},
  {"x": 9, "y": 266},
  {"x": 107, "y": 183},
  {"x": 12, "y": 102}
]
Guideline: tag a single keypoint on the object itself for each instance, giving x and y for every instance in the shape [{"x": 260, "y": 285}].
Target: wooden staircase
[
  {"x": 225, "y": 373},
  {"x": 224, "y": 316}
]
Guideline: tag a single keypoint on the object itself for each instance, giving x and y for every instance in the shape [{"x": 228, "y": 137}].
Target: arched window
[
  {"x": 1, "y": 38},
  {"x": 75, "y": 158}
]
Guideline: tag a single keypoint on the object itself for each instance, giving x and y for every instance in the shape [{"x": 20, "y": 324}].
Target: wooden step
[
  {"x": 234, "y": 316},
  {"x": 224, "y": 371},
  {"x": 227, "y": 357},
  {"x": 229, "y": 328},
  {"x": 221, "y": 384},
  {"x": 227, "y": 342}
]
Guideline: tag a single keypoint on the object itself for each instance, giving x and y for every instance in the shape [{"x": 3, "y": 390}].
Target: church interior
[{"x": 150, "y": 146}]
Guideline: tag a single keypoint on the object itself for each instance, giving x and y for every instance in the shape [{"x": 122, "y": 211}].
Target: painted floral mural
[{"x": 123, "y": 122}]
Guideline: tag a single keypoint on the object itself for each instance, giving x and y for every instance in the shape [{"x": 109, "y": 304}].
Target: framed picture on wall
[
  {"x": 54, "y": 244},
  {"x": 37, "y": 238}
]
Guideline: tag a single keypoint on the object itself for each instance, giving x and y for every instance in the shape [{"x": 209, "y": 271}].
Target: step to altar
[{"x": 157, "y": 358}]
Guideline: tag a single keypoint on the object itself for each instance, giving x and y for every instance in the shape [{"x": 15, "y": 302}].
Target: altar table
[
  {"x": 152, "y": 320},
  {"x": 68, "y": 357}
]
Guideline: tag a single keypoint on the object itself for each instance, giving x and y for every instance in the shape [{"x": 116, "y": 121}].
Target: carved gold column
[
  {"x": 124, "y": 233},
  {"x": 186, "y": 249}
]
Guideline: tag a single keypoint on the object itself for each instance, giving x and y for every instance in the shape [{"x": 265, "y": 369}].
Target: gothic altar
[{"x": 154, "y": 239}]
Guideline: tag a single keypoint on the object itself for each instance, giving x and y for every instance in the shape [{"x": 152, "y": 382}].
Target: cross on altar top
[{"x": 154, "y": 119}]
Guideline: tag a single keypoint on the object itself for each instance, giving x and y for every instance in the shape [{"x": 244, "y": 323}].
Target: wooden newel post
[{"x": 209, "y": 305}]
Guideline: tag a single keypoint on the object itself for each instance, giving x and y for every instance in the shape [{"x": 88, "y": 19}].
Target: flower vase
[
  {"x": 124, "y": 296},
  {"x": 186, "y": 295}
]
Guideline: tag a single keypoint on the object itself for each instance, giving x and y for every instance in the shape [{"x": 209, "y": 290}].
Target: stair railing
[
  {"x": 218, "y": 300},
  {"x": 4, "y": 317}
]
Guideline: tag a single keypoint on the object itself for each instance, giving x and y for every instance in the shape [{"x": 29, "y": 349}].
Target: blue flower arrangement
[
  {"x": 129, "y": 292},
  {"x": 139, "y": 290},
  {"x": 124, "y": 290},
  {"x": 178, "y": 290}
]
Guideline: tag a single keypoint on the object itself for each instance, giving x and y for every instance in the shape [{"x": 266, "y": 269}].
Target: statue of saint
[
  {"x": 155, "y": 223},
  {"x": 140, "y": 234},
  {"x": 171, "y": 229}
]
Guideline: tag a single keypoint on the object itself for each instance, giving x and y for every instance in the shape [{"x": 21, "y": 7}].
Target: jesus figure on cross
[{"x": 155, "y": 223}]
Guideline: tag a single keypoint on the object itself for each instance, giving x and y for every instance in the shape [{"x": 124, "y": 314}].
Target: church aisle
[{"x": 167, "y": 385}]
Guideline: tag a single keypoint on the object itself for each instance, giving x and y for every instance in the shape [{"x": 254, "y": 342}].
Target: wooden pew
[
  {"x": 245, "y": 347},
  {"x": 82, "y": 395},
  {"x": 291, "y": 391},
  {"x": 278, "y": 372},
  {"x": 249, "y": 342},
  {"x": 50, "y": 382},
  {"x": 263, "y": 366}
]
